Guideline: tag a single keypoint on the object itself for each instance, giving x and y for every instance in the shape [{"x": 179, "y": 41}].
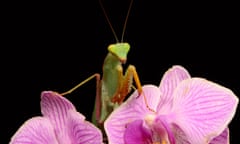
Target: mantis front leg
[{"x": 125, "y": 85}]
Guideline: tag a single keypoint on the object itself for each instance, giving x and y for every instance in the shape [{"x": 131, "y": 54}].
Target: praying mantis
[{"x": 114, "y": 85}]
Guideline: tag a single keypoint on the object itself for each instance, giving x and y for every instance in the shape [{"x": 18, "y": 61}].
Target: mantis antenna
[{"x": 125, "y": 22}]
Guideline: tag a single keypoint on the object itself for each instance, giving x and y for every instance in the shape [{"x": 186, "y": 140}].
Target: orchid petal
[
  {"x": 81, "y": 131},
  {"x": 169, "y": 82},
  {"x": 134, "y": 108},
  {"x": 203, "y": 109},
  {"x": 55, "y": 107},
  {"x": 223, "y": 138},
  {"x": 37, "y": 130},
  {"x": 137, "y": 134}
]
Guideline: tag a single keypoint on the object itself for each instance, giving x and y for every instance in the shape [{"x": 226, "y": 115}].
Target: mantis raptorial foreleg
[{"x": 125, "y": 85}]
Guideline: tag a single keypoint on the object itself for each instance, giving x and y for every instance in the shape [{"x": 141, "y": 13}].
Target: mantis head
[{"x": 120, "y": 50}]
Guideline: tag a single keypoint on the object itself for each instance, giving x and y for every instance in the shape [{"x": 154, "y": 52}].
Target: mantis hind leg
[{"x": 126, "y": 83}]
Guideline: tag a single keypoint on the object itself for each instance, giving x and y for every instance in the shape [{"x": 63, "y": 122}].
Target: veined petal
[
  {"x": 169, "y": 82},
  {"x": 55, "y": 107},
  {"x": 203, "y": 109},
  {"x": 223, "y": 138},
  {"x": 37, "y": 130},
  {"x": 81, "y": 131},
  {"x": 134, "y": 108}
]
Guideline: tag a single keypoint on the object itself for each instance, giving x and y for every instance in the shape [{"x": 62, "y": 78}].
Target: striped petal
[
  {"x": 55, "y": 107},
  {"x": 203, "y": 109},
  {"x": 37, "y": 130},
  {"x": 223, "y": 138},
  {"x": 81, "y": 131},
  {"x": 134, "y": 108},
  {"x": 169, "y": 82}
]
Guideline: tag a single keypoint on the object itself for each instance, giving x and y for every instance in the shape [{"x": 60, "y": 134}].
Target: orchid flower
[
  {"x": 187, "y": 111},
  {"x": 60, "y": 124}
]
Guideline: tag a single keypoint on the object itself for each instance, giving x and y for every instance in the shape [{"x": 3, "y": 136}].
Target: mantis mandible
[{"x": 114, "y": 85}]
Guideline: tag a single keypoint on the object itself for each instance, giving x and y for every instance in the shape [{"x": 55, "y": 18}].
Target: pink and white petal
[
  {"x": 169, "y": 82},
  {"x": 223, "y": 138},
  {"x": 203, "y": 109},
  {"x": 55, "y": 107},
  {"x": 37, "y": 130},
  {"x": 134, "y": 108},
  {"x": 81, "y": 131}
]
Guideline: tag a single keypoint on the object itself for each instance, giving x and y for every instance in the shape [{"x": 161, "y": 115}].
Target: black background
[{"x": 56, "y": 45}]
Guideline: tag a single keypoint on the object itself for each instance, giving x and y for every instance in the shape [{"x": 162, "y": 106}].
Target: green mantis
[{"x": 114, "y": 85}]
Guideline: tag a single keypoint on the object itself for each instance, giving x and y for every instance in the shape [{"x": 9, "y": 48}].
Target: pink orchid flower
[
  {"x": 187, "y": 111},
  {"x": 60, "y": 124}
]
